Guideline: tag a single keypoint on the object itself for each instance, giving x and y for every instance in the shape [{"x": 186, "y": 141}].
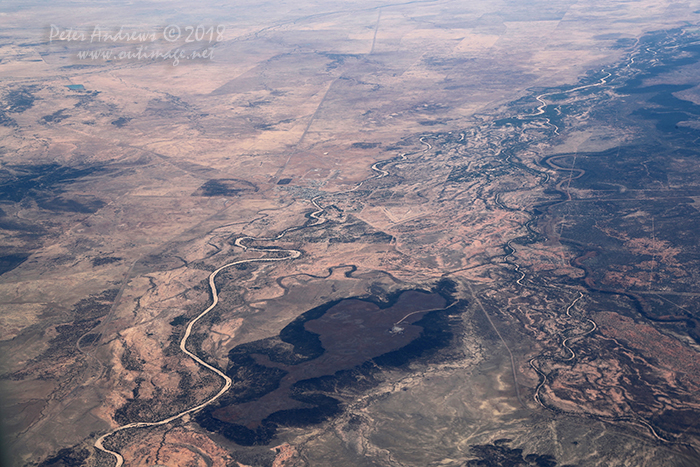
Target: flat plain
[{"x": 381, "y": 234}]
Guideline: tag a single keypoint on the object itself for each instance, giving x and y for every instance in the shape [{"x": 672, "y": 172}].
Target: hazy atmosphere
[{"x": 300, "y": 234}]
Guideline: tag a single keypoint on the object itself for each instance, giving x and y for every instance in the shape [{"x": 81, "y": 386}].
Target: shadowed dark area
[
  {"x": 225, "y": 187},
  {"x": 9, "y": 262},
  {"x": 18, "y": 182},
  {"x": 282, "y": 380}
]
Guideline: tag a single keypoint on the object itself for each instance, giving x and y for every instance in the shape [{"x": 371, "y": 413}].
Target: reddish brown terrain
[{"x": 378, "y": 234}]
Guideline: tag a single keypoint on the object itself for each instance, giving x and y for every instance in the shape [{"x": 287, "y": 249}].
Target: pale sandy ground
[{"x": 289, "y": 89}]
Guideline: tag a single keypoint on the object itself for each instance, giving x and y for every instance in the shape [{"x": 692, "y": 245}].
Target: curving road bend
[{"x": 423, "y": 311}]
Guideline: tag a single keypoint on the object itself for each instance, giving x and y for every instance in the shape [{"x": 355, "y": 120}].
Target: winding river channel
[
  {"x": 379, "y": 172},
  {"x": 291, "y": 254}
]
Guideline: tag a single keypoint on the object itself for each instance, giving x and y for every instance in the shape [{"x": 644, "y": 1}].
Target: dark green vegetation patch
[
  {"x": 500, "y": 454},
  {"x": 258, "y": 369},
  {"x": 225, "y": 187}
]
